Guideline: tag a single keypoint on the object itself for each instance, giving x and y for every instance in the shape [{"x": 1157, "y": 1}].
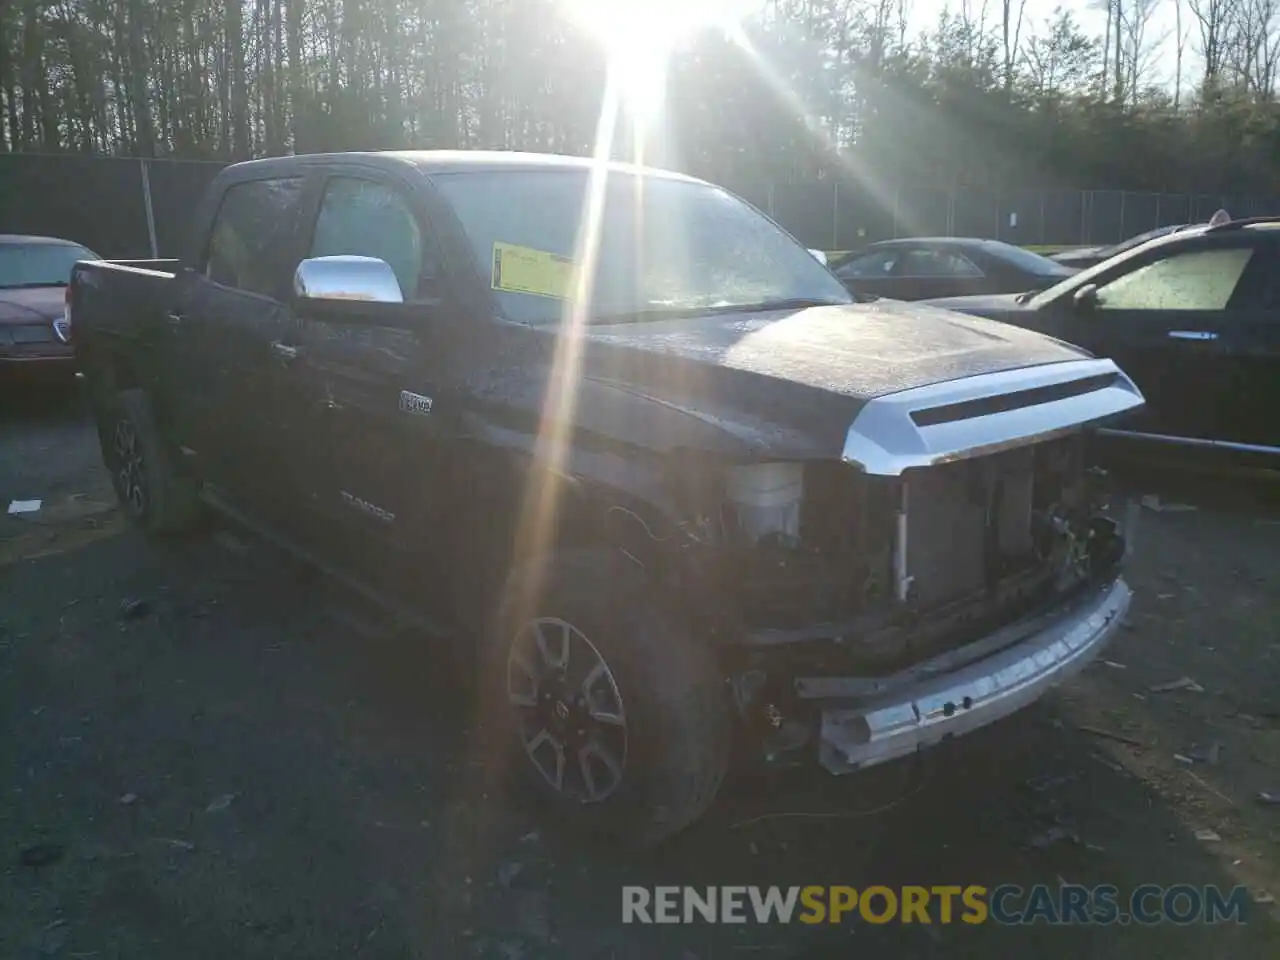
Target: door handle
[
  {"x": 284, "y": 352},
  {"x": 1192, "y": 335}
]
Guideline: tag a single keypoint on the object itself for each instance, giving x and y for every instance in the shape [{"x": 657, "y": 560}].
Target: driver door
[{"x": 371, "y": 379}]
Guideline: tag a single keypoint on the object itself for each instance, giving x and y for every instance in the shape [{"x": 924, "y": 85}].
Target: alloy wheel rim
[
  {"x": 129, "y": 468},
  {"x": 569, "y": 711}
]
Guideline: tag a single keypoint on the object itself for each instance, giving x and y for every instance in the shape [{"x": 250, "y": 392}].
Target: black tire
[
  {"x": 152, "y": 494},
  {"x": 677, "y": 721}
]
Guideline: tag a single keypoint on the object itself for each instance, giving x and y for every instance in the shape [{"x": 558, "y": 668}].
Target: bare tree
[
  {"x": 1213, "y": 22},
  {"x": 1117, "y": 22},
  {"x": 1011, "y": 12},
  {"x": 1252, "y": 46},
  {"x": 1180, "y": 46},
  {"x": 1109, "y": 9},
  {"x": 1060, "y": 58},
  {"x": 1140, "y": 46}
]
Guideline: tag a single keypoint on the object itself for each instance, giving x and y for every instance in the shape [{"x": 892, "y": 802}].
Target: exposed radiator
[{"x": 967, "y": 522}]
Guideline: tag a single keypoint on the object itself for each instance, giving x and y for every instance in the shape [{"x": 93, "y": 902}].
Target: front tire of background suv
[
  {"x": 152, "y": 494},
  {"x": 617, "y": 717}
]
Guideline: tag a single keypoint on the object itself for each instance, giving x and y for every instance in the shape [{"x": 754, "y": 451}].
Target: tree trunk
[
  {"x": 1119, "y": 65},
  {"x": 145, "y": 141},
  {"x": 234, "y": 40},
  {"x": 80, "y": 80},
  {"x": 293, "y": 29},
  {"x": 30, "y": 71},
  {"x": 267, "y": 10},
  {"x": 8, "y": 111}
]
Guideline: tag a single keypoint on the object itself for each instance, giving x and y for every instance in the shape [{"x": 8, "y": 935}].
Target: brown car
[{"x": 35, "y": 337}]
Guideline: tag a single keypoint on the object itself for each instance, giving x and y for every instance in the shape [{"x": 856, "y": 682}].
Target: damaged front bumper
[{"x": 866, "y": 722}]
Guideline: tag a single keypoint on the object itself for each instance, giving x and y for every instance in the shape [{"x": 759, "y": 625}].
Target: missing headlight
[{"x": 766, "y": 499}]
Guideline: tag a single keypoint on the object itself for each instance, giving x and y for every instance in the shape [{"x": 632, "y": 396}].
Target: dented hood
[
  {"x": 785, "y": 383},
  {"x": 858, "y": 351}
]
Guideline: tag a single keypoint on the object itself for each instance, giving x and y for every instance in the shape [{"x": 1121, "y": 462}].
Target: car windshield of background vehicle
[
  {"x": 39, "y": 264},
  {"x": 666, "y": 246},
  {"x": 1197, "y": 280}
]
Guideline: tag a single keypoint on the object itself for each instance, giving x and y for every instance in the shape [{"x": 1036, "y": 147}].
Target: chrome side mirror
[
  {"x": 346, "y": 278},
  {"x": 820, "y": 256}
]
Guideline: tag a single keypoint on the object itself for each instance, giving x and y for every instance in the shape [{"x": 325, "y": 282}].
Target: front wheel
[{"x": 616, "y": 716}]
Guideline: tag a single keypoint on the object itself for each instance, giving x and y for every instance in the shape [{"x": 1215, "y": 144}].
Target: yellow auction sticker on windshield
[{"x": 526, "y": 270}]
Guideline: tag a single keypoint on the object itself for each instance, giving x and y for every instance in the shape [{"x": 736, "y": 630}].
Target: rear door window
[
  {"x": 254, "y": 236},
  {"x": 878, "y": 263}
]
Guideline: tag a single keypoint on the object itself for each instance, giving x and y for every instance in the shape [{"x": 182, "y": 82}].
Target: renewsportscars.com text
[{"x": 1007, "y": 904}]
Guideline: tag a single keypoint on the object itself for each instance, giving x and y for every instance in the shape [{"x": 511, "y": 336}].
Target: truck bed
[{"x": 119, "y": 297}]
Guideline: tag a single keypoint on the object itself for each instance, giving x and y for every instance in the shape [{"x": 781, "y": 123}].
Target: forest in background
[{"x": 995, "y": 93}]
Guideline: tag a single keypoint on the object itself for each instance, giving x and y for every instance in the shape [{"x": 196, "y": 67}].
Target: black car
[
  {"x": 1194, "y": 318},
  {"x": 659, "y": 494},
  {"x": 1083, "y": 257},
  {"x": 925, "y": 267}
]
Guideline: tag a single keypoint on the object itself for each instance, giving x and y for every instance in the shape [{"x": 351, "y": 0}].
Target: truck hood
[
  {"x": 31, "y": 304},
  {"x": 855, "y": 351},
  {"x": 785, "y": 383}
]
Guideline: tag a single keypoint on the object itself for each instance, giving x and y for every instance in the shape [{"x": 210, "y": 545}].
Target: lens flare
[{"x": 639, "y": 36}]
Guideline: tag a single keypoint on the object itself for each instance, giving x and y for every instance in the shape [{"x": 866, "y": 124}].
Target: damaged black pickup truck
[{"x": 626, "y": 431}]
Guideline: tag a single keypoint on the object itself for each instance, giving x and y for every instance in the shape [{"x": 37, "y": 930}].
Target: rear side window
[
  {"x": 876, "y": 264},
  {"x": 366, "y": 219},
  {"x": 937, "y": 263},
  {"x": 253, "y": 235},
  {"x": 1195, "y": 280}
]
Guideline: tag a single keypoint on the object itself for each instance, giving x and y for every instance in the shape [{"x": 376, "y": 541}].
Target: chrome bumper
[{"x": 959, "y": 692}]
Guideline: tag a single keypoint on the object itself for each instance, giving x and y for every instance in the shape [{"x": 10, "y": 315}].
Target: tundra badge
[{"x": 414, "y": 403}]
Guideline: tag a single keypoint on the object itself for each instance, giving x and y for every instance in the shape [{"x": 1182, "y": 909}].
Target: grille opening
[
  {"x": 1002, "y": 403},
  {"x": 974, "y": 523}
]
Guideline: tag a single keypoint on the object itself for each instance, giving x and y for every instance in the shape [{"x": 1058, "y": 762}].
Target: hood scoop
[{"x": 979, "y": 415}]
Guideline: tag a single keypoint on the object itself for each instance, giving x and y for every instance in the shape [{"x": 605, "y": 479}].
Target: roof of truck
[{"x": 465, "y": 161}]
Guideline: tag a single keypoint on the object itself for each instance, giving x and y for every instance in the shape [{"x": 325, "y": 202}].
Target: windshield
[
  {"x": 1027, "y": 261},
  {"x": 39, "y": 264},
  {"x": 666, "y": 246}
]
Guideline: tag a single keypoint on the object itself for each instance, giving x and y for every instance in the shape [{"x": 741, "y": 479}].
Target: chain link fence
[
  {"x": 838, "y": 216},
  {"x": 130, "y": 208},
  {"x": 121, "y": 208}
]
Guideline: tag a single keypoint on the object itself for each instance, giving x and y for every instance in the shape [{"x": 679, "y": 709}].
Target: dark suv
[{"x": 1194, "y": 318}]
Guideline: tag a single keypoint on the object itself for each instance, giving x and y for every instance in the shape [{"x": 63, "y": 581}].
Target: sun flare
[{"x": 640, "y": 35}]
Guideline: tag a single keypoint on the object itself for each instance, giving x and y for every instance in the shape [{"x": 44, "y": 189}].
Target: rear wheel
[
  {"x": 151, "y": 493},
  {"x": 616, "y": 717}
]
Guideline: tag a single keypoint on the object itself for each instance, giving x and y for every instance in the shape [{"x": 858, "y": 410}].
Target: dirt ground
[{"x": 244, "y": 762}]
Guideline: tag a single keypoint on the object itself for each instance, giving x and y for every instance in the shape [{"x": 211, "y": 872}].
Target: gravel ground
[{"x": 244, "y": 762}]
